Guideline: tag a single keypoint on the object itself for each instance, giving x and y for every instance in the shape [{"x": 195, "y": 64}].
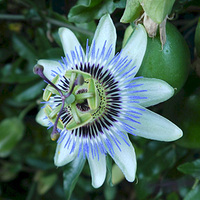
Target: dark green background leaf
[
  {"x": 191, "y": 168},
  {"x": 11, "y": 132},
  {"x": 194, "y": 194},
  {"x": 24, "y": 49},
  {"x": 26, "y": 92},
  {"x": 82, "y": 13},
  {"x": 71, "y": 174}
]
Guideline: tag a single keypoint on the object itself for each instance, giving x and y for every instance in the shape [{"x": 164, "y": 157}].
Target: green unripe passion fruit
[{"x": 171, "y": 64}]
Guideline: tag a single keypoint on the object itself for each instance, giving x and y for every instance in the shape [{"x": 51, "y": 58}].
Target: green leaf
[
  {"x": 109, "y": 171},
  {"x": 191, "y": 136},
  {"x": 120, "y": 3},
  {"x": 191, "y": 168},
  {"x": 89, "y": 3},
  {"x": 29, "y": 91},
  {"x": 45, "y": 182},
  {"x": 11, "y": 132},
  {"x": 157, "y": 9},
  {"x": 139, "y": 189},
  {"x": 156, "y": 158},
  {"x": 39, "y": 163},
  {"x": 24, "y": 48},
  {"x": 41, "y": 40},
  {"x": 59, "y": 17},
  {"x": 172, "y": 196},
  {"x": 87, "y": 10},
  {"x": 188, "y": 120},
  {"x": 11, "y": 73},
  {"x": 132, "y": 11},
  {"x": 71, "y": 174},
  {"x": 52, "y": 53},
  {"x": 194, "y": 194},
  {"x": 9, "y": 170}
]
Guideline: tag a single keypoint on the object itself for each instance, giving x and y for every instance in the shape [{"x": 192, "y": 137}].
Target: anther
[
  {"x": 38, "y": 69},
  {"x": 80, "y": 79},
  {"x": 55, "y": 136}
]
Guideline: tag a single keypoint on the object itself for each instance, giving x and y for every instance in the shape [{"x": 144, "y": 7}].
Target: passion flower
[{"x": 93, "y": 99}]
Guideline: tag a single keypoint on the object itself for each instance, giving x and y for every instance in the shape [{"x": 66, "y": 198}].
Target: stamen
[{"x": 38, "y": 69}]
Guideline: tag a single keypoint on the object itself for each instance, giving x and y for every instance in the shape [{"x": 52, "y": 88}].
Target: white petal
[
  {"x": 135, "y": 48},
  {"x": 126, "y": 158},
  {"x": 68, "y": 40},
  {"x": 156, "y": 92},
  {"x": 105, "y": 32},
  {"x": 98, "y": 169},
  {"x": 42, "y": 119},
  {"x": 49, "y": 65},
  {"x": 153, "y": 126},
  {"x": 63, "y": 153}
]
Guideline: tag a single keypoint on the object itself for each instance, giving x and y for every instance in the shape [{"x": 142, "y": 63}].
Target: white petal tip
[
  {"x": 125, "y": 158},
  {"x": 68, "y": 40},
  {"x": 41, "y": 118},
  {"x": 131, "y": 177},
  {"x": 58, "y": 161},
  {"x": 63, "y": 33},
  {"x": 167, "y": 89},
  {"x": 97, "y": 183},
  {"x": 61, "y": 30},
  {"x": 63, "y": 154},
  {"x": 176, "y": 134},
  {"x": 98, "y": 170}
]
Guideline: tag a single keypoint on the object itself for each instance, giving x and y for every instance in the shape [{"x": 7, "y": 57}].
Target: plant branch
[{"x": 48, "y": 19}]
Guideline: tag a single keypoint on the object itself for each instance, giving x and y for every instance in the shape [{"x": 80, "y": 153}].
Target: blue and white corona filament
[{"x": 93, "y": 99}]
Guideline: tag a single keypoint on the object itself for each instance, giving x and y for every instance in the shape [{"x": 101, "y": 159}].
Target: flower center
[
  {"x": 88, "y": 104},
  {"x": 80, "y": 98}
]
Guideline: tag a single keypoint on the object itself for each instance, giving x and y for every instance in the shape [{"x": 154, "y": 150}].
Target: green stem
[
  {"x": 31, "y": 192},
  {"x": 26, "y": 110},
  {"x": 48, "y": 19},
  {"x": 195, "y": 183},
  {"x": 74, "y": 28},
  {"x": 13, "y": 17}
]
